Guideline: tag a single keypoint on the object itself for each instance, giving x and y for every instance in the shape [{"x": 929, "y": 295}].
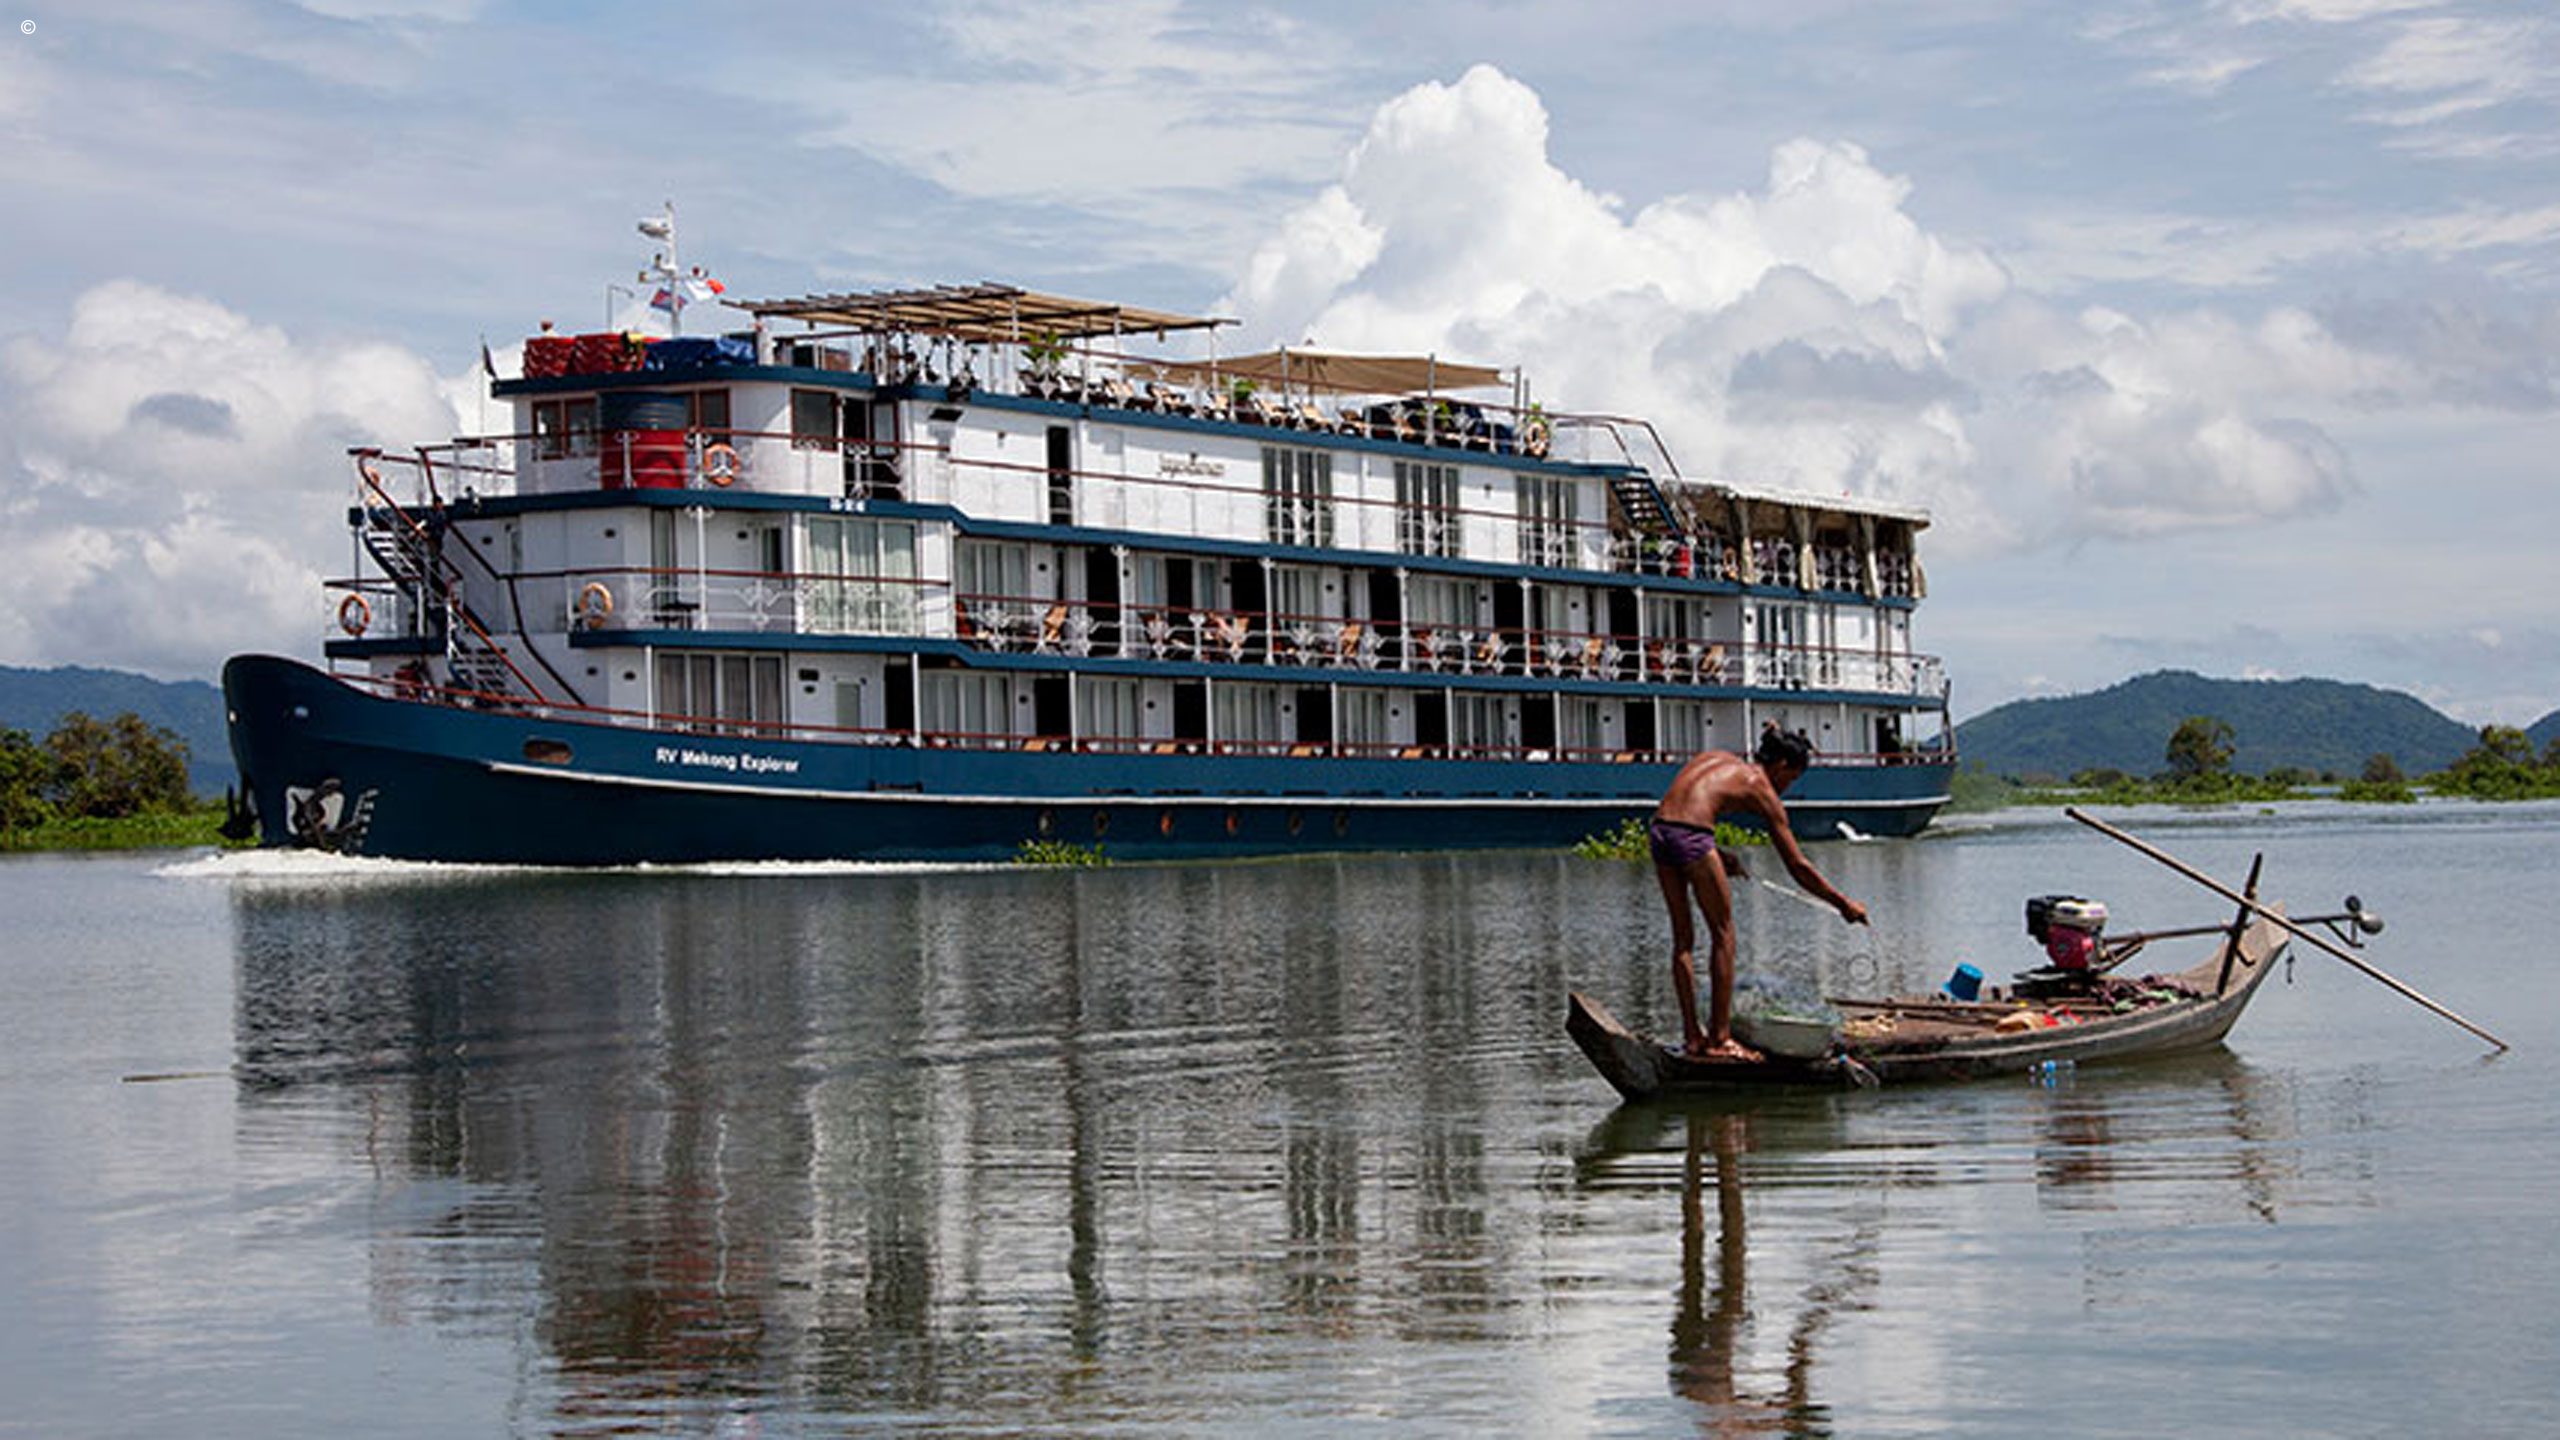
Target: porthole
[
  {"x": 1297, "y": 822},
  {"x": 1101, "y": 823},
  {"x": 1341, "y": 822},
  {"x": 1048, "y": 823}
]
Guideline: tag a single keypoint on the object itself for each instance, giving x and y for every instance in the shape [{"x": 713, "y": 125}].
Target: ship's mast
[{"x": 663, "y": 267}]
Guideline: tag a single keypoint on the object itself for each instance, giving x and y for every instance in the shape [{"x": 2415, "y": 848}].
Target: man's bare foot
[{"x": 1728, "y": 1050}]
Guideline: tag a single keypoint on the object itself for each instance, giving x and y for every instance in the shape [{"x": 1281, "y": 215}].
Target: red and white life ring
[
  {"x": 720, "y": 463},
  {"x": 595, "y": 603},
  {"x": 355, "y": 615}
]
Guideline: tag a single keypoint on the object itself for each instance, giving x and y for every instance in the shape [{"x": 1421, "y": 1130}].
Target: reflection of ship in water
[
  {"x": 1096, "y": 1143},
  {"x": 892, "y": 1144}
]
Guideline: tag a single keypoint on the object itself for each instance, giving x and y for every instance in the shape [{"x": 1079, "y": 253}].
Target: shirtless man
[{"x": 1682, "y": 838}]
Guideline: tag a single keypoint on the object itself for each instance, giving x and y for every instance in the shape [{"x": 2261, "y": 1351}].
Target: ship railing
[
  {"x": 1186, "y": 503},
  {"x": 625, "y": 597},
  {"x": 706, "y": 458},
  {"x": 763, "y": 602},
  {"x": 1039, "y": 624},
  {"x": 561, "y": 749},
  {"x": 431, "y": 589}
]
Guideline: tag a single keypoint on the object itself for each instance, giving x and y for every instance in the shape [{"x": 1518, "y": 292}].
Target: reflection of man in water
[
  {"x": 1682, "y": 838},
  {"x": 1703, "y": 1329}
]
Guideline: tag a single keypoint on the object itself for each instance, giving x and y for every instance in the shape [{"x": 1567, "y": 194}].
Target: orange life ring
[
  {"x": 1535, "y": 437},
  {"x": 720, "y": 462},
  {"x": 355, "y": 615},
  {"x": 595, "y": 603}
]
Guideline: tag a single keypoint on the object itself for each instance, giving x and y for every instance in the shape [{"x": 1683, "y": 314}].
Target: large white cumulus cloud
[
  {"x": 1808, "y": 335},
  {"x": 173, "y": 477}
]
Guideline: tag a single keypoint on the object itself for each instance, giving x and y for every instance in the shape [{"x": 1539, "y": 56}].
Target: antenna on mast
[{"x": 663, "y": 269}]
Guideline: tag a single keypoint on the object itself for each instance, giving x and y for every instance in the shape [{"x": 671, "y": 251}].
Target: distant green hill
[
  {"x": 2545, "y": 730},
  {"x": 2323, "y": 726},
  {"x": 36, "y": 700}
]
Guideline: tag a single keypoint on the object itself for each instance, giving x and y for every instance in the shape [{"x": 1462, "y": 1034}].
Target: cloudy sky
[{"x": 2223, "y": 336}]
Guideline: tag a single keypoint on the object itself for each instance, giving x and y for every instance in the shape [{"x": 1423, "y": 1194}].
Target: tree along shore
[
  {"x": 2503, "y": 766},
  {"x": 92, "y": 784}
]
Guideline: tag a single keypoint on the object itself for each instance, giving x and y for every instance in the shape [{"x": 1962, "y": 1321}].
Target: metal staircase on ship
[{"x": 406, "y": 544}]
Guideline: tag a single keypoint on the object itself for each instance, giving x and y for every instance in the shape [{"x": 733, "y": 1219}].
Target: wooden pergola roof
[
  {"x": 985, "y": 313},
  {"x": 1339, "y": 373}
]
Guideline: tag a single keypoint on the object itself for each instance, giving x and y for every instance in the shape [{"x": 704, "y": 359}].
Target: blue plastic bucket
[{"x": 1965, "y": 984}]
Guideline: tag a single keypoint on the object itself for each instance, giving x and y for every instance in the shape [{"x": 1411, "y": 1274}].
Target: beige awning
[
  {"x": 985, "y": 314},
  {"x": 1340, "y": 374}
]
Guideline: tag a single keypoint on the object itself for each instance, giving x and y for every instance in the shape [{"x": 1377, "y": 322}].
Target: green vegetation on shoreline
[
  {"x": 116, "y": 784},
  {"x": 1626, "y": 841},
  {"x": 2503, "y": 766},
  {"x": 191, "y": 828},
  {"x": 1063, "y": 853}
]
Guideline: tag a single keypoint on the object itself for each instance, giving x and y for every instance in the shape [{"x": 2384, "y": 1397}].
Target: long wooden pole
[{"x": 2208, "y": 882}]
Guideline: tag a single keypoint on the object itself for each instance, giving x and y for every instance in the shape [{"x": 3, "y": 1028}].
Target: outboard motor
[{"x": 2067, "y": 926}]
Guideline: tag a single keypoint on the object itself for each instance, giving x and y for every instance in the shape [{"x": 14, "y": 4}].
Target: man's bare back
[{"x": 1719, "y": 786}]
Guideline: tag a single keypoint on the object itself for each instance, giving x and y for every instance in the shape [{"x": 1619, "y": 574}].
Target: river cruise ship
[{"x": 939, "y": 573}]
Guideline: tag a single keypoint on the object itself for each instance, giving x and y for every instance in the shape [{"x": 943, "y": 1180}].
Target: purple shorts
[{"x": 1678, "y": 846}]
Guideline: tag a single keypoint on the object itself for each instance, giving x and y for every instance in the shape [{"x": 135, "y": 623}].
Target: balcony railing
[
  {"x": 1183, "y": 503},
  {"x": 755, "y": 602},
  {"x": 562, "y": 750}
]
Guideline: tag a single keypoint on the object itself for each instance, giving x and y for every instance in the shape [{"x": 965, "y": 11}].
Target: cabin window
[
  {"x": 732, "y": 694},
  {"x": 1364, "y": 718},
  {"x": 1479, "y": 724},
  {"x": 1546, "y": 520},
  {"x": 1675, "y": 617},
  {"x": 968, "y": 703},
  {"x": 1173, "y": 583},
  {"x": 861, "y": 576},
  {"x": 1680, "y": 726},
  {"x": 1578, "y": 727},
  {"x": 994, "y": 570},
  {"x": 707, "y": 410},
  {"x": 1297, "y": 493},
  {"x": 1251, "y": 714},
  {"x": 563, "y": 428},
  {"x": 1782, "y": 632},
  {"x": 1427, "y": 521},
  {"x": 1108, "y": 709},
  {"x": 813, "y": 420},
  {"x": 1439, "y": 600},
  {"x": 1297, "y": 595}
]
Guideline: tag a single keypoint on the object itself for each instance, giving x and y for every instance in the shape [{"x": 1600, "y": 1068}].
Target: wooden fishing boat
[{"x": 1936, "y": 1038}]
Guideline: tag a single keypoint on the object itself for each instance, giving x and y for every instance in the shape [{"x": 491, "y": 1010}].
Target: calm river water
[{"x": 306, "y": 1148}]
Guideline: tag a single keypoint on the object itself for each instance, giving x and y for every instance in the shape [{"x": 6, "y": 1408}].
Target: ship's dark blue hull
[{"x": 330, "y": 765}]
